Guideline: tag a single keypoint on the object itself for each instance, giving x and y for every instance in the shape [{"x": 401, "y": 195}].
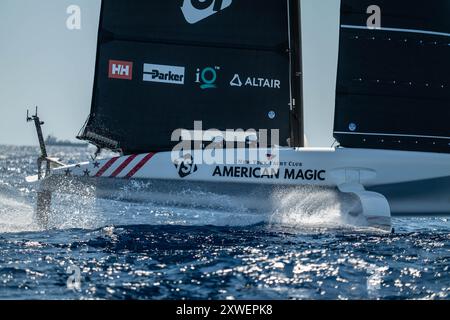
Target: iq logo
[
  {"x": 207, "y": 77},
  {"x": 163, "y": 73},
  {"x": 198, "y": 10}
]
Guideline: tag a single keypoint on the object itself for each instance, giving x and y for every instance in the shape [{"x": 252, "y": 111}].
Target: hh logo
[
  {"x": 120, "y": 70},
  {"x": 186, "y": 166},
  {"x": 197, "y": 10}
]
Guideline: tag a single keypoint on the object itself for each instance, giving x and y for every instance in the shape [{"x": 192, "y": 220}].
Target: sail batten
[
  {"x": 427, "y": 32},
  {"x": 393, "y": 135}
]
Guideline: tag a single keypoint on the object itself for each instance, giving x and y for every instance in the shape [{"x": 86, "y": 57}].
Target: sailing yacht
[{"x": 166, "y": 71}]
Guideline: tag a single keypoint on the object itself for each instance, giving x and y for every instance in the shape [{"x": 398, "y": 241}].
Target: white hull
[
  {"x": 371, "y": 168},
  {"x": 412, "y": 182}
]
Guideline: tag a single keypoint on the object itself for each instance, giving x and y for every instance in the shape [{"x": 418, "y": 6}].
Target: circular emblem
[{"x": 272, "y": 115}]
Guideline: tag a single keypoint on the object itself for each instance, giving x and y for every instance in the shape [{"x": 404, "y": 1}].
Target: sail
[
  {"x": 393, "y": 85},
  {"x": 161, "y": 65}
]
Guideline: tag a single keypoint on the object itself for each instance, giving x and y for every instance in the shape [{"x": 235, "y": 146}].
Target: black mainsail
[
  {"x": 393, "y": 86},
  {"x": 161, "y": 65}
]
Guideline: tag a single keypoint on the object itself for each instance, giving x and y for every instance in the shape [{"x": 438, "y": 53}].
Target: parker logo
[
  {"x": 186, "y": 166},
  {"x": 120, "y": 70},
  {"x": 164, "y": 74},
  {"x": 197, "y": 10}
]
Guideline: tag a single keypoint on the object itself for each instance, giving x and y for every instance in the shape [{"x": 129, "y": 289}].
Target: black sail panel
[
  {"x": 161, "y": 65},
  {"x": 393, "y": 86}
]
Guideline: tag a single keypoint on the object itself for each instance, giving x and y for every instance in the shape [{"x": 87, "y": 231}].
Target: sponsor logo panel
[
  {"x": 206, "y": 77},
  {"x": 164, "y": 74}
]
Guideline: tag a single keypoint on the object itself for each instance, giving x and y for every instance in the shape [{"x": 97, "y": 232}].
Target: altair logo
[
  {"x": 255, "y": 82},
  {"x": 197, "y": 10}
]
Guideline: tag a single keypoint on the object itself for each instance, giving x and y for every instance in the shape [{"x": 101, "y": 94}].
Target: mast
[{"x": 296, "y": 74}]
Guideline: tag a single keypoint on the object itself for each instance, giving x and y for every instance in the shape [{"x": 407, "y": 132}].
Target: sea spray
[
  {"x": 314, "y": 207},
  {"x": 74, "y": 205},
  {"x": 16, "y": 215}
]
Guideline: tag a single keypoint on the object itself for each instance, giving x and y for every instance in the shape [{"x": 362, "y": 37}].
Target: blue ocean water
[{"x": 111, "y": 249}]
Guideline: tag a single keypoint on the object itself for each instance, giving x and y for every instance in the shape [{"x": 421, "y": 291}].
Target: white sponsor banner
[{"x": 164, "y": 74}]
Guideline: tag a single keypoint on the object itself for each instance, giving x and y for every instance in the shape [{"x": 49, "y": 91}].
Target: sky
[{"x": 44, "y": 63}]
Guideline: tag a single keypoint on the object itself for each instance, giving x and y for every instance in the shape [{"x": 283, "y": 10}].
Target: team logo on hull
[
  {"x": 186, "y": 166},
  {"x": 258, "y": 172},
  {"x": 120, "y": 70},
  {"x": 198, "y": 10}
]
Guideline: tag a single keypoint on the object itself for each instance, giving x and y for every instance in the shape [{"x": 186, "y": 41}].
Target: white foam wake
[
  {"x": 295, "y": 208},
  {"x": 16, "y": 215},
  {"x": 311, "y": 207}
]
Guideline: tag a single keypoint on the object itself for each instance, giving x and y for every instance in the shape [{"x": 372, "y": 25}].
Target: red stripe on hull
[
  {"x": 106, "y": 167},
  {"x": 139, "y": 166},
  {"x": 123, "y": 166}
]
